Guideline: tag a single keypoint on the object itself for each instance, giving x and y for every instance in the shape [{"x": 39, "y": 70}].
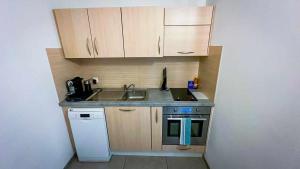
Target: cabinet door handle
[
  {"x": 88, "y": 46},
  {"x": 95, "y": 46},
  {"x": 156, "y": 116},
  {"x": 158, "y": 44},
  {"x": 122, "y": 109},
  {"x": 185, "y": 52}
]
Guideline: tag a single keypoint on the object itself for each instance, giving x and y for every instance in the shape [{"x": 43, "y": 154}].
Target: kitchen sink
[
  {"x": 135, "y": 95},
  {"x": 119, "y": 95},
  {"x": 108, "y": 95}
]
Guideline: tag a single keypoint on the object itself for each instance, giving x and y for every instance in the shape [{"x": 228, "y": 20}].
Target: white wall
[
  {"x": 33, "y": 132},
  {"x": 257, "y": 118}
]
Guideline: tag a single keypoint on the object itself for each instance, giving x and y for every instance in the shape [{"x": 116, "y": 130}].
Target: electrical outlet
[{"x": 95, "y": 80}]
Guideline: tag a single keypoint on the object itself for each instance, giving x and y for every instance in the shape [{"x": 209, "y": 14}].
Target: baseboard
[
  {"x": 205, "y": 161},
  {"x": 162, "y": 154},
  {"x": 69, "y": 162}
]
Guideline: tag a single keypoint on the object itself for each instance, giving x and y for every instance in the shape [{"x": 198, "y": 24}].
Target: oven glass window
[
  {"x": 173, "y": 128},
  {"x": 197, "y": 126}
]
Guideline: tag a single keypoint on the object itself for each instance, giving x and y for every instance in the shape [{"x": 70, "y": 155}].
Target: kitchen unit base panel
[{"x": 158, "y": 154}]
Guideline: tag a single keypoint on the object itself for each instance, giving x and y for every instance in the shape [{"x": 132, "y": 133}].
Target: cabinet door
[
  {"x": 129, "y": 128},
  {"x": 189, "y": 15},
  {"x": 106, "y": 29},
  {"x": 156, "y": 115},
  {"x": 143, "y": 31},
  {"x": 186, "y": 40},
  {"x": 74, "y": 31}
]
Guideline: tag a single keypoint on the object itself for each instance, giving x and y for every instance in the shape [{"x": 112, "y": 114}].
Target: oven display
[{"x": 186, "y": 110}]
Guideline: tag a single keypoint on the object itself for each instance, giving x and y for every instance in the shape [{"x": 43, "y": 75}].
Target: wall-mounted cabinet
[
  {"x": 187, "y": 31},
  {"x": 134, "y": 31},
  {"x": 74, "y": 31},
  {"x": 186, "y": 40},
  {"x": 90, "y": 33},
  {"x": 143, "y": 29},
  {"x": 189, "y": 15},
  {"x": 106, "y": 30}
]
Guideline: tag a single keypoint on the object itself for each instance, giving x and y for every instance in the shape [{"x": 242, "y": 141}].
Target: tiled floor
[{"x": 142, "y": 162}]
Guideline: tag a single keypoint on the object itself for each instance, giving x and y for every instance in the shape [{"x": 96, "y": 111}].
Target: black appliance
[
  {"x": 185, "y": 125},
  {"x": 164, "y": 81},
  {"x": 87, "y": 87},
  {"x": 182, "y": 94},
  {"x": 75, "y": 90}
]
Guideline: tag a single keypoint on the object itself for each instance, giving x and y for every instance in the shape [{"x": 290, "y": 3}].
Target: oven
[{"x": 185, "y": 125}]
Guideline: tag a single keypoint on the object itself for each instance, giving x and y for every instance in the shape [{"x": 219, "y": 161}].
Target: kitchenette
[{"x": 136, "y": 80}]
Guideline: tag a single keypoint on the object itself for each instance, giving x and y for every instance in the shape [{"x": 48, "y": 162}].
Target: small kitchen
[
  {"x": 131, "y": 84},
  {"x": 136, "y": 80}
]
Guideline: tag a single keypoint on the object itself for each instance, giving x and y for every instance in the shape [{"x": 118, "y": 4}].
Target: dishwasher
[{"x": 90, "y": 134}]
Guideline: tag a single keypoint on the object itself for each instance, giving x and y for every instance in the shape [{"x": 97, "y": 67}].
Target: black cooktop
[{"x": 182, "y": 94}]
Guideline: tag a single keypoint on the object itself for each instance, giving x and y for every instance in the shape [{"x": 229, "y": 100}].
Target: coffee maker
[{"x": 75, "y": 89}]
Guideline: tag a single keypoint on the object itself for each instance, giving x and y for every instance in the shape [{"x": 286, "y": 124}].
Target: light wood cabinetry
[
  {"x": 129, "y": 128},
  {"x": 134, "y": 31},
  {"x": 74, "y": 31},
  {"x": 187, "y": 31},
  {"x": 106, "y": 30},
  {"x": 189, "y": 15},
  {"x": 156, "y": 120},
  {"x": 90, "y": 33},
  {"x": 143, "y": 29},
  {"x": 186, "y": 40}
]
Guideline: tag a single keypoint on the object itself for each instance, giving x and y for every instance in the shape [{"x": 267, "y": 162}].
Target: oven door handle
[
  {"x": 171, "y": 118},
  {"x": 202, "y": 119}
]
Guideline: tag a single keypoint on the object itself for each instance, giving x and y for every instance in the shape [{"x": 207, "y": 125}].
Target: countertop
[{"x": 156, "y": 97}]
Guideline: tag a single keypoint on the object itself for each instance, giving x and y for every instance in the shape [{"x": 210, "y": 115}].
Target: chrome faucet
[{"x": 128, "y": 87}]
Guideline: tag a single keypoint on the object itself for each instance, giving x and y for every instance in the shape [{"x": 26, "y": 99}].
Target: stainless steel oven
[{"x": 185, "y": 125}]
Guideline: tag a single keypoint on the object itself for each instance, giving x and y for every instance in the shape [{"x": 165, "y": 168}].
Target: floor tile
[
  {"x": 116, "y": 162},
  {"x": 185, "y": 163},
  {"x": 141, "y": 162}
]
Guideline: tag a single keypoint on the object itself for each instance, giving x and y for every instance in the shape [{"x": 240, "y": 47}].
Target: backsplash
[
  {"x": 114, "y": 73},
  {"x": 143, "y": 72},
  {"x": 62, "y": 70}
]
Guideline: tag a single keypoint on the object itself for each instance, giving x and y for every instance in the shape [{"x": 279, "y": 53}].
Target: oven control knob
[
  {"x": 197, "y": 110},
  {"x": 175, "y": 110}
]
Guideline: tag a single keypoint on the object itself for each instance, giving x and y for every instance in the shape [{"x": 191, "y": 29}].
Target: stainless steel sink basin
[
  {"x": 108, "y": 95},
  {"x": 135, "y": 95},
  {"x": 119, "y": 95}
]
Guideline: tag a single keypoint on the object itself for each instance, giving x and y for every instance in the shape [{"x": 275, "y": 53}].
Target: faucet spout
[{"x": 128, "y": 87}]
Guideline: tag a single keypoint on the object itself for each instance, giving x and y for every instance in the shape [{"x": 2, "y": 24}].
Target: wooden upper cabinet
[
  {"x": 186, "y": 40},
  {"x": 74, "y": 30},
  {"x": 189, "y": 15},
  {"x": 143, "y": 29},
  {"x": 106, "y": 30},
  {"x": 129, "y": 128},
  {"x": 187, "y": 31}
]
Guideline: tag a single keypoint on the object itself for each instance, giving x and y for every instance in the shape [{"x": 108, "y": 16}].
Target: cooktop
[{"x": 182, "y": 94}]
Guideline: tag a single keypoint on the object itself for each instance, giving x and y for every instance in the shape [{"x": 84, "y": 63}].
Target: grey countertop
[{"x": 155, "y": 97}]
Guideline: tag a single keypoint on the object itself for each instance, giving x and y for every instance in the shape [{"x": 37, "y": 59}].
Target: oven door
[{"x": 176, "y": 130}]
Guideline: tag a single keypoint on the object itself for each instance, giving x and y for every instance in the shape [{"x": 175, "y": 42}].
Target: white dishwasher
[{"x": 90, "y": 133}]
